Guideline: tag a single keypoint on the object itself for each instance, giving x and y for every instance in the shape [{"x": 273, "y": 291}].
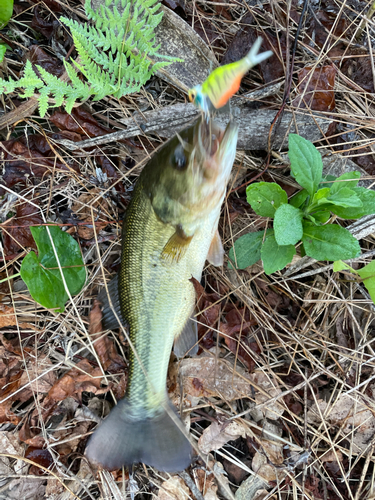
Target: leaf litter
[{"x": 279, "y": 389}]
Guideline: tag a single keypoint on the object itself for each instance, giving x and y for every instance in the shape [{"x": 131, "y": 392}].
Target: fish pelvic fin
[
  {"x": 109, "y": 320},
  {"x": 122, "y": 440},
  {"x": 186, "y": 343},
  {"x": 216, "y": 252}
]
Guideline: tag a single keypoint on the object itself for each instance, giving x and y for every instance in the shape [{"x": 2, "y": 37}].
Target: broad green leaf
[
  {"x": 265, "y": 198},
  {"x": 319, "y": 198},
  {"x": 339, "y": 265},
  {"x": 247, "y": 250},
  {"x": 306, "y": 163},
  {"x": 44, "y": 286},
  {"x": 274, "y": 256},
  {"x": 347, "y": 180},
  {"x": 41, "y": 273},
  {"x": 322, "y": 216},
  {"x": 367, "y": 197},
  {"x": 331, "y": 242},
  {"x": 367, "y": 273},
  {"x": 297, "y": 200},
  {"x": 345, "y": 197},
  {"x": 6, "y": 11},
  {"x": 319, "y": 218},
  {"x": 288, "y": 225}
]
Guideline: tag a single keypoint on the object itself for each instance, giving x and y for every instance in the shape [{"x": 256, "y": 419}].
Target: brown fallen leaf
[
  {"x": 205, "y": 482},
  {"x": 16, "y": 230},
  {"x": 207, "y": 377},
  {"x": 83, "y": 377},
  {"x": 41, "y": 24},
  {"x": 7, "y": 316},
  {"x": 103, "y": 345},
  {"x": 216, "y": 435},
  {"x": 351, "y": 417},
  {"x": 173, "y": 489},
  {"x": 79, "y": 121},
  {"x": 28, "y": 159},
  {"x": 316, "y": 88},
  {"x": 51, "y": 64}
]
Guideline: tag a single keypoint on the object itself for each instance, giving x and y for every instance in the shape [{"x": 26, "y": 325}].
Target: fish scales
[{"x": 161, "y": 301}]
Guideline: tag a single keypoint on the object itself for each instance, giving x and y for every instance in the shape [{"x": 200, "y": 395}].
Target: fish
[
  {"x": 169, "y": 230},
  {"x": 224, "y": 81}
]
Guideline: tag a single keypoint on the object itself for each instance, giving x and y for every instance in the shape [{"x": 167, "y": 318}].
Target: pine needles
[{"x": 114, "y": 57}]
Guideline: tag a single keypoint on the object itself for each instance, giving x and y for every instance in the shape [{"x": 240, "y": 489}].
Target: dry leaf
[
  {"x": 7, "y": 316},
  {"x": 207, "y": 377},
  {"x": 103, "y": 345},
  {"x": 216, "y": 435},
  {"x": 173, "y": 489},
  {"x": 352, "y": 417}
]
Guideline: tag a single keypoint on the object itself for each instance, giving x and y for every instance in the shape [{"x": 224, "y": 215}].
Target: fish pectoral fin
[
  {"x": 215, "y": 254},
  {"x": 176, "y": 246},
  {"x": 186, "y": 343}
]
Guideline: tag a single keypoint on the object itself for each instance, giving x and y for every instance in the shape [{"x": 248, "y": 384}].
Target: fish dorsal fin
[
  {"x": 176, "y": 246},
  {"x": 186, "y": 343},
  {"x": 216, "y": 251},
  {"x": 109, "y": 320}
]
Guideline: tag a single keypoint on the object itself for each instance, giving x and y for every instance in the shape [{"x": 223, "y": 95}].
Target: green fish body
[{"x": 169, "y": 230}]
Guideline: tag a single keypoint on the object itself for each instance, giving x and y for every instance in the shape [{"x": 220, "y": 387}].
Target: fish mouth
[
  {"x": 213, "y": 138},
  {"x": 217, "y": 145}
]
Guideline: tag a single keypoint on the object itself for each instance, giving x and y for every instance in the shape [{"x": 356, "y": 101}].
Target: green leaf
[
  {"x": 345, "y": 197},
  {"x": 367, "y": 273},
  {"x": 297, "y": 200},
  {"x": 6, "y": 11},
  {"x": 331, "y": 242},
  {"x": 367, "y": 197},
  {"x": 306, "y": 163},
  {"x": 3, "y": 48},
  {"x": 339, "y": 265},
  {"x": 247, "y": 250},
  {"x": 347, "y": 180},
  {"x": 320, "y": 195},
  {"x": 288, "y": 225},
  {"x": 265, "y": 197},
  {"x": 274, "y": 256},
  {"x": 41, "y": 273},
  {"x": 322, "y": 216}
]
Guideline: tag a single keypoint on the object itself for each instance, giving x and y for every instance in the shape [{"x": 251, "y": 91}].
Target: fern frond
[{"x": 114, "y": 56}]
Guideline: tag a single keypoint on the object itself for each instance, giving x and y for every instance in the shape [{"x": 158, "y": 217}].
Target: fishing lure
[{"x": 224, "y": 82}]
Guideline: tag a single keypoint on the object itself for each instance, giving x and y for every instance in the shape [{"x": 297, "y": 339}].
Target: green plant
[
  {"x": 41, "y": 272},
  {"x": 6, "y": 11},
  {"x": 114, "y": 56},
  {"x": 367, "y": 274},
  {"x": 304, "y": 219}
]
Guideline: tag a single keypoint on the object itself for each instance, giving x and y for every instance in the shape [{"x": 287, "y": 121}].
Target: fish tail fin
[
  {"x": 109, "y": 320},
  {"x": 122, "y": 439},
  {"x": 253, "y": 58}
]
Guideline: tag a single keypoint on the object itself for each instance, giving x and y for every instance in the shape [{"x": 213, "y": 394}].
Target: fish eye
[
  {"x": 179, "y": 159},
  {"x": 192, "y": 95}
]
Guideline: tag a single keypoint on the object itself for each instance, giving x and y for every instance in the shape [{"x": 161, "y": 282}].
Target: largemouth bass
[{"x": 169, "y": 231}]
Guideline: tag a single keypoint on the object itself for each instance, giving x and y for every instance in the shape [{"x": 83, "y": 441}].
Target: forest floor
[{"x": 280, "y": 398}]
